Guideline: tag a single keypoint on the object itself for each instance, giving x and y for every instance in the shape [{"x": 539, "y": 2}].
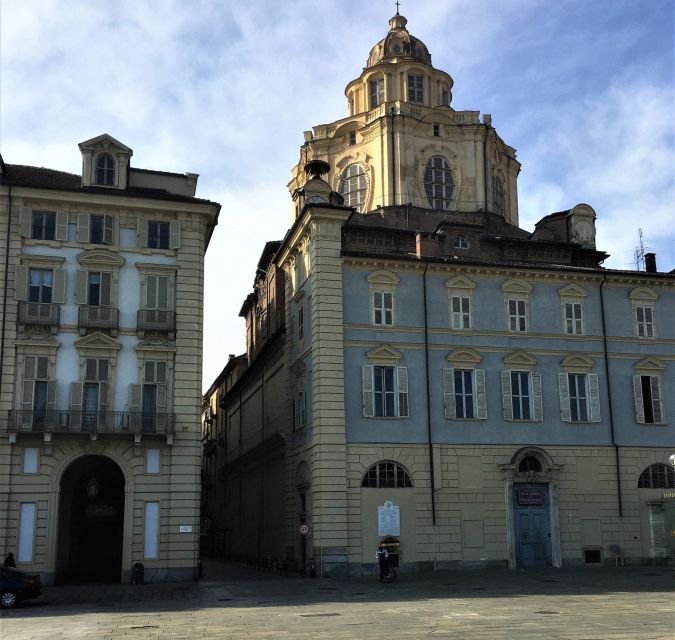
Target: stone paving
[{"x": 235, "y": 603}]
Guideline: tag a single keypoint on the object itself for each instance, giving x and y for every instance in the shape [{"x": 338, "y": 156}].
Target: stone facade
[{"x": 101, "y": 367}]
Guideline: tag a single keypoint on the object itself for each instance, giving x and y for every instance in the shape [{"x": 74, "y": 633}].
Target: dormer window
[{"x": 105, "y": 170}]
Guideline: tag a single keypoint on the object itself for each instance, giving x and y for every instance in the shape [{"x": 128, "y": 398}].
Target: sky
[{"x": 583, "y": 89}]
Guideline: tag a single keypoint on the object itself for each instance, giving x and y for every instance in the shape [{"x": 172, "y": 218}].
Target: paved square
[{"x": 234, "y": 603}]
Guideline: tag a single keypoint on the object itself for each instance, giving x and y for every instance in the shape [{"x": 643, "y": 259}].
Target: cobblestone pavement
[{"x": 234, "y": 603}]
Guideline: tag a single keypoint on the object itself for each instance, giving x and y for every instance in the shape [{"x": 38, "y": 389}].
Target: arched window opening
[
  {"x": 500, "y": 198},
  {"x": 105, "y": 170},
  {"x": 353, "y": 186},
  {"x": 438, "y": 182},
  {"x": 529, "y": 464},
  {"x": 657, "y": 476},
  {"x": 386, "y": 475}
]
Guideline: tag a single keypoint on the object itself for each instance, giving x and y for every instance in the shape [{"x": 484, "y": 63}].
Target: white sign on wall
[{"x": 388, "y": 520}]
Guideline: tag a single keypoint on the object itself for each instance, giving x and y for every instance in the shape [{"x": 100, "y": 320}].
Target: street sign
[{"x": 304, "y": 529}]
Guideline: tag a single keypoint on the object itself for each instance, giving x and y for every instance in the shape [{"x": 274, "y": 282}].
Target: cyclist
[{"x": 382, "y": 556}]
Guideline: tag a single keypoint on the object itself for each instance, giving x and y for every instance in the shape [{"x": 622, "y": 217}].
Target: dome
[{"x": 398, "y": 44}]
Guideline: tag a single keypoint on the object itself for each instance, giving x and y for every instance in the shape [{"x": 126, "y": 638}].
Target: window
[
  {"x": 460, "y": 312},
  {"x": 500, "y": 198},
  {"x": 464, "y": 394},
  {"x": 30, "y": 460},
  {"x": 437, "y": 130},
  {"x": 158, "y": 235},
  {"x": 415, "y": 88},
  {"x": 382, "y": 288},
  {"x": 157, "y": 292},
  {"x": 40, "y": 285},
  {"x": 574, "y": 318},
  {"x": 529, "y": 464},
  {"x": 95, "y": 391},
  {"x": 644, "y": 320},
  {"x": 353, "y": 186},
  {"x": 521, "y": 395},
  {"x": 98, "y": 288},
  {"x": 386, "y": 475},
  {"x": 151, "y": 531},
  {"x": 383, "y": 307},
  {"x": 105, "y": 170},
  {"x": 152, "y": 461},
  {"x": 352, "y": 137},
  {"x": 26, "y": 532},
  {"x": 43, "y": 225},
  {"x": 648, "y": 403},
  {"x": 300, "y": 410},
  {"x": 579, "y": 397},
  {"x": 301, "y": 321},
  {"x": 385, "y": 391},
  {"x": 517, "y": 315},
  {"x": 445, "y": 97},
  {"x": 461, "y": 243},
  {"x": 95, "y": 228},
  {"x": 154, "y": 394},
  {"x": 438, "y": 182},
  {"x": 38, "y": 397},
  {"x": 657, "y": 476},
  {"x": 376, "y": 92}
]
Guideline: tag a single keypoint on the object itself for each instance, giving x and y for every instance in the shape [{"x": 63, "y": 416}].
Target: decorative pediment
[
  {"x": 384, "y": 354},
  {"x": 519, "y": 287},
  {"x": 100, "y": 258},
  {"x": 104, "y": 141},
  {"x": 98, "y": 340},
  {"x": 572, "y": 291},
  {"x": 468, "y": 358},
  {"x": 383, "y": 277},
  {"x": 650, "y": 366},
  {"x": 520, "y": 360},
  {"x": 577, "y": 362},
  {"x": 460, "y": 282},
  {"x": 643, "y": 294}
]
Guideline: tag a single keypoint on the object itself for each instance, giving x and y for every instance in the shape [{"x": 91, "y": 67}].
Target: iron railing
[
  {"x": 156, "y": 320},
  {"x": 90, "y": 317},
  {"x": 41, "y": 313},
  {"x": 65, "y": 421}
]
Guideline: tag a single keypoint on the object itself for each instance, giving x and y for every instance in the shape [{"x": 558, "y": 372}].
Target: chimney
[
  {"x": 426, "y": 245},
  {"x": 650, "y": 262}
]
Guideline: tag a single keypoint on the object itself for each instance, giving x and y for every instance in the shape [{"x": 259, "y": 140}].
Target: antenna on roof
[{"x": 639, "y": 252}]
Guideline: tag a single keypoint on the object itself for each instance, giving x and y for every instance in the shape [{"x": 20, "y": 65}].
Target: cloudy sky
[{"x": 583, "y": 89}]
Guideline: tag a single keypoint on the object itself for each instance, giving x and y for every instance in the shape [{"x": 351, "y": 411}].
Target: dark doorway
[
  {"x": 91, "y": 522},
  {"x": 532, "y": 525}
]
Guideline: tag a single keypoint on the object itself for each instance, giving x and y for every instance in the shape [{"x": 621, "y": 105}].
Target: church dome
[{"x": 398, "y": 43}]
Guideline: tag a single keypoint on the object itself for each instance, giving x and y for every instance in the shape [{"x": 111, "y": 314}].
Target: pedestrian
[
  {"x": 9, "y": 560},
  {"x": 382, "y": 556}
]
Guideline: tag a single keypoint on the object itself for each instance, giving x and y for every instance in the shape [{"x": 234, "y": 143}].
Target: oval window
[{"x": 353, "y": 186}]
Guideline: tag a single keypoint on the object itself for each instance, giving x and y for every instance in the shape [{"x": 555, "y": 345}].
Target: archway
[{"x": 91, "y": 521}]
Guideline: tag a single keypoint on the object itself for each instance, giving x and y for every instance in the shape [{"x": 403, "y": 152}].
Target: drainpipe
[
  {"x": 392, "y": 111},
  {"x": 430, "y": 443},
  {"x": 609, "y": 399}
]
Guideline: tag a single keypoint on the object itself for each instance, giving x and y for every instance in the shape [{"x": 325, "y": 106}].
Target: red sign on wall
[{"x": 531, "y": 495}]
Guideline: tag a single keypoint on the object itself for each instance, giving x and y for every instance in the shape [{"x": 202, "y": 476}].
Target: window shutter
[
  {"x": 42, "y": 367},
  {"x": 449, "y": 393},
  {"x": 174, "y": 238},
  {"x": 81, "y": 287},
  {"x": 106, "y": 296},
  {"x": 51, "y": 395},
  {"x": 59, "y": 290},
  {"x": 402, "y": 375},
  {"x": 481, "y": 399},
  {"x": 151, "y": 292},
  {"x": 135, "y": 407},
  {"x": 564, "y": 388},
  {"x": 83, "y": 227},
  {"x": 25, "y": 222},
  {"x": 103, "y": 396},
  {"x": 537, "y": 397},
  {"x": 27, "y": 396},
  {"x": 108, "y": 230},
  {"x": 367, "y": 376},
  {"x": 657, "y": 408},
  {"x": 30, "y": 368},
  {"x": 639, "y": 401},
  {"x": 76, "y": 396},
  {"x": 594, "y": 393},
  {"x": 161, "y": 405},
  {"x": 20, "y": 282},
  {"x": 507, "y": 399},
  {"x": 61, "y": 225},
  {"x": 162, "y": 292},
  {"x": 141, "y": 231}
]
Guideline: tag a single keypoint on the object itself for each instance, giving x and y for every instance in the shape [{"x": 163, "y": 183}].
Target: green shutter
[
  {"x": 83, "y": 227},
  {"x": 106, "y": 290},
  {"x": 51, "y": 395},
  {"x": 103, "y": 389},
  {"x": 657, "y": 405},
  {"x": 161, "y": 398},
  {"x": 174, "y": 238},
  {"x": 42, "y": 368},
  {"x": 141, "y": 231},
  {"x": 21, "y": 282},
  {"x": 564, "y": 389},
  {"x": 27, "y": 395},
  {"x": 81, "y": 287},
  {"x": 402, "y": 377},
  {"x": 162, "y": 292},
  {"x": 151, "y": 292},
  {"x": 481, "y": 398},
  {"x": 639, "y": 401},
  {"x": 76, "y": 396},
  {"x": 108, "y": 230},
  {"x": 594, "y": 393},
  {"x": 537, "y": 397},
  {"x": 368, "y": 395},
  {"x": 507, "y": 396},
  {"x": 449, "y": 393},
  {"x": 61, "y": 225},
  {"x": 59, "y": 290},
  {"x": 135, "y": 407},
  {"x": 25, "y": 222}
]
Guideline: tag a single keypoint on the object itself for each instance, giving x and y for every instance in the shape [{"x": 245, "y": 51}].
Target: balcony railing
[
  {"x": 41, "y": 313},
  {"x": 134, "y": 422},
  {"x": 98, "y": 317},
  {"x": 156, "y": 320}
]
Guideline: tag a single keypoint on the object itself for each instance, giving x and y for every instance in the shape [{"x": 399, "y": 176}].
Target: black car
[{"x": 16, "y": 585}]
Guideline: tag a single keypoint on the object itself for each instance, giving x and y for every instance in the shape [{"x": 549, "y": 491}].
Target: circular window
[
  {"x": 529, "y": 464},
  {"x": 353, "y": 186},
  {"x": 438, "y": 182}
]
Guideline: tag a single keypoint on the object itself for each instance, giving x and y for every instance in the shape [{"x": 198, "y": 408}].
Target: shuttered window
[
  {"x": 644, "y": 321},
  {"x": 648, "y": 399},
  {"x": 464, "y": 395},
  {"x": 579, "y": 397},
  {"x": 95, "y": 228},
  {"x": 385, "y": 391},
  {"x": 517, "y": 315},
  {"x": 574, "y": 324},
  {"x": 522, "y": 396},
  {"x": 38, "y": 398},
  {"x": 157, "y": 292},
  {"x": 383, "y": 307},
  {"x": 460, "y": 312}
]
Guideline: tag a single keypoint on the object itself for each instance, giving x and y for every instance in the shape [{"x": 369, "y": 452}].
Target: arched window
[
  {"x": 529, "y": 464},
  {"x": 353, "y": 186},
  {"x": 500, "y": 198},
  {"x": 657, "y": 476},
  {"x": 438, "y": 182},
  {"x": 386, "y": 475},
  {"x": 105, "y": 170}
]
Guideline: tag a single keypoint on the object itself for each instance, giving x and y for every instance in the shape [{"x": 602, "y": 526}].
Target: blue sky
[{"x": 583, "y": 89}]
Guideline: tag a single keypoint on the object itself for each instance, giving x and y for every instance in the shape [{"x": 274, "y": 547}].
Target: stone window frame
[
  {"x": 154, "y": 353},
  {"x": 110, "y": 231},
  {"x": 380, "y": 93},
  {"x": 648, "y": 473},
  {"x": 643, "y": 298},
  {"x": 98, "y": 170},
  {"x": 382, "y": 281},
  {"x": 143, "y": 232},
  {"x": 46, "y": 263},
  {"x": 573, "y": 294},
  {"x": 146, "y": 269},
  {"x": 522, "y": 362},
  {"x": 654, "y": 369},
  {"x": 385, "y": 356},
  {"x": 517, "y": 291},
  {"x": 102, "y": 261},
  {"x": 464, "y": 359},
  {"x": 60, "y": 225},
  {"x": 34, "y": 350},
  {"x": 460, "y": 287},
  {"x": 437, "y": 148},
  {"x": 579, "y": 364},
  {"x": 399, "y": 471},
  {"x": 414, "y": 92}
]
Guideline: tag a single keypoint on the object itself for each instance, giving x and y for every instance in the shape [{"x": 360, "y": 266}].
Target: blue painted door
[{"x": 532, "y": 524}]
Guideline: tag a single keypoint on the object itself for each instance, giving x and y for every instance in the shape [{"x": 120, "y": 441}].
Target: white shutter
[
  {"x": 537, "y": 397},
  {"x": 83, "y": 227},
  {"x": 51, "y": 395},
  {"x": 564, "y": 388},
  {"x": 108, "y": 230},
  {"x": 507, "y": 396},
  {"x": 368, "y": 396},
  {"x": 594, "y": 393},
  {"x": 25, "y": 222},
  {"x": 657, "y": 405},
  {"x": 481, "y": 399},
  {"x": 59, "y": 290},
  {"x": 449, "y": 393},
  {"x": 141, "y": 231},
  {"x": 135, "y": 407},
  {"x": 61, "y": 225},
  {"x": 21, "y": 282},
  {"x": 402, "y": 375},
  {"x": 106, "y": 290},
  {"x": 639, "y": 401},
  {"x": 174, "y": 237}
]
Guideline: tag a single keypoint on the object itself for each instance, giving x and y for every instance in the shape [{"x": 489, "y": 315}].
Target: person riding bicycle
[{"x": 382, "y": 556}]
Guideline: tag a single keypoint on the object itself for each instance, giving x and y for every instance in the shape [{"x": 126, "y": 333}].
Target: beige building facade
[{"x": 101, "y": 367}]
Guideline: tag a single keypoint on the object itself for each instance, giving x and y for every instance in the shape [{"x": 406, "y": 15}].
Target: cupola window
[
  {"x": 105, "y": 170},
  {"x": 415, "y": 88},
  {"x": 353, "y": 186},
  {"x": 352, "y": 137},
  {"x": 500, "y": 200},
  {"x": 438, "y": 182},
  {"x": 376, "y": 92}
]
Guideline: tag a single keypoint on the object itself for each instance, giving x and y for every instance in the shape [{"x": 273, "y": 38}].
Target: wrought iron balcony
[
  {"x": 156, "y": 320},
  {"x": 58, "y": 421},
  {"x": 39, "y": 313},
  {"x": 90, "y": 317}
]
